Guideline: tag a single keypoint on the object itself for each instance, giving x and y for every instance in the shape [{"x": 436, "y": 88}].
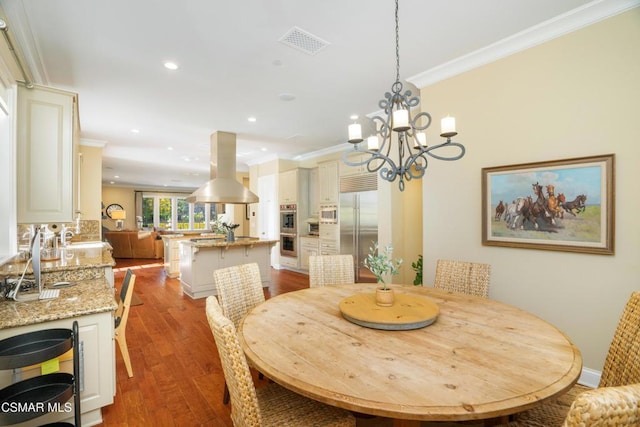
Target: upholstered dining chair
[
  {"x": 616, "y": 401},
  {"x": 121, "y": 316},
  {"x": 239, "y": 289},
  {"x": 330, "y": 270},
  {"x": 463, "y": 277},
  {"x": 269, "y": 405}
]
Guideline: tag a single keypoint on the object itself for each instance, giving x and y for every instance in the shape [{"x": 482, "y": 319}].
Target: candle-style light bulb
[
  {"x": 421, "y": 139},
  {"x": 355, "y": 133},
  {"x": 373, "y": 143},
  {"x": 400, "y": 120},
  {"x": 448, "y": 127}
]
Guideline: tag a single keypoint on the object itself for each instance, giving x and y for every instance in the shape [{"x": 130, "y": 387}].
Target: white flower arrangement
[{"x": 382, "y": 262}]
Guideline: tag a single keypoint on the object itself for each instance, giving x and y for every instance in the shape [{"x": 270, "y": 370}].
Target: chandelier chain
[{"x": 397, "y": 45}]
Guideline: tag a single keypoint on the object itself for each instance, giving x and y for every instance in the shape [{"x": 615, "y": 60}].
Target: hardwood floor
[{"x": 177, "y": 378}]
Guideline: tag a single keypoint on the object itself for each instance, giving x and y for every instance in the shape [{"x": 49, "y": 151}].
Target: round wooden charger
[{"x": 407, "y": 312}]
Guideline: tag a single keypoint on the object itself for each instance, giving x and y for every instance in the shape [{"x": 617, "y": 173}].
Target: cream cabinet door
[
  {"x": 328, "y": 182},
  {"x": 288, "y": 186},
  {"x": 46, "y": 150}
]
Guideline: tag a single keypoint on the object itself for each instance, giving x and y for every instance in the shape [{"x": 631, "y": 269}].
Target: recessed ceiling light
[
  {"x": 263, "y": 149},
  {"x": 135, "y": 130},
  {"x": 286, "y": 96},
  {"x": 111, "y": 182},
  {"x": 170, "y": 148},
  {"x": 354, "y": 117},
  {"x": 252, "y": 119},
  {"x": 117, "y": 176},
  {"x": 170, "y": 65}
]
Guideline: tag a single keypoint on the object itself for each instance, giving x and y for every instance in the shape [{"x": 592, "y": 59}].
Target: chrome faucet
[{"x": 65, "y": 236}]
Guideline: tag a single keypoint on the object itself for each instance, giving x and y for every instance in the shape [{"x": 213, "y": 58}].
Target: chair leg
[
  {"x": 225, "y": 396},
  {"x": 122, "y": 343}
]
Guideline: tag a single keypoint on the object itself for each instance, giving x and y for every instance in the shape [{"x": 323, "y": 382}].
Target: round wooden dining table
[{"x": 480, "y": 360}]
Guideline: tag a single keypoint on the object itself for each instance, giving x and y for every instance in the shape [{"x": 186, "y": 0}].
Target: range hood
[{"x": 223, "y": 187}]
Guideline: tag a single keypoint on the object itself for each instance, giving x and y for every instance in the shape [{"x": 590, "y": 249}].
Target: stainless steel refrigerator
[{"x": 359, "y": 220}]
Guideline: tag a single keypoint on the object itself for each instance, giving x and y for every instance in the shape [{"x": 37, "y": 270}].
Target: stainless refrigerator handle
[{"x": 356, "y": 234}]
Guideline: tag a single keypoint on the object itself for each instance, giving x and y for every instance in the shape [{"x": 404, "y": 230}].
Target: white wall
[{"x": 575, "y": 96}]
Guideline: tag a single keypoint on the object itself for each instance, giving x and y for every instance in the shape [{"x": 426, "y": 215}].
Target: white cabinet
[
  {"x": 308, "y": 246},
  {"x": 328, "y": 182},
  {"x": 198, "y": 263},
  {"x": 329, "y": 239},
  {"x": 314, "y": 195},
  {"x": 293, "y": 186},
  {"x": 172, "y": 255},
  {"x": 288, "y": 186},
  {"x": 97, "y": 363},
  {"x": 46, "y": 155},
  {"x": 355, "y": 156}
]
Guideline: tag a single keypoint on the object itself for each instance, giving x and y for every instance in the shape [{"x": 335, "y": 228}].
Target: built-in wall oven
[
  {"x": 289, "y": 244},
  {"x": 289, "y": 230},
  {"x": 288, "y": 220}
]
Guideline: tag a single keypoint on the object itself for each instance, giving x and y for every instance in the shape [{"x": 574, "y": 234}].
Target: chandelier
[{"x": 409, "y": 136}]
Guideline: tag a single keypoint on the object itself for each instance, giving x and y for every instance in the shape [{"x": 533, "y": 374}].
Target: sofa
[{"x": 135, "y": 244}]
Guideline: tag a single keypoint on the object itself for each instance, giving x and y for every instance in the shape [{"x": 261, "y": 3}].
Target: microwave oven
[{"x": 328, "y": 214}]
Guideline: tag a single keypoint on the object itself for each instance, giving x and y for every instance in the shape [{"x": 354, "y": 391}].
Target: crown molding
[
  {"x": 264, "y": 159},
  {"x": 560, "y": 25},
  {"x": 93, "y": 142},
  {"x": 325, "y": 151}
]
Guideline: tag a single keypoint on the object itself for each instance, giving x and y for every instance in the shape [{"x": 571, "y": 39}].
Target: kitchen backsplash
[{"x": 89, "y": 232}]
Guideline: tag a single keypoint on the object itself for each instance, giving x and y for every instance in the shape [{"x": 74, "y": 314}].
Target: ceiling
[{"x": 232, "y": 67}]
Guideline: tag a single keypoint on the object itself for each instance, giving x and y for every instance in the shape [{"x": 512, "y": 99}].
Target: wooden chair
[
  {"x": 121, "y": 316},
  {"x": 330, "y": 270},
  {"x": 616, "y": 401},
  {"x": 270, "y": 405},
  {"x": 463, "y": 277},
  {"x": 239, "y": 289}
]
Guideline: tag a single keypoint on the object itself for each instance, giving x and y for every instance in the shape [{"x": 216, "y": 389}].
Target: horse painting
[
  {"x": 533, "y": 210},
  {"x": 514, "y": 211},
  {"x": 578, "y": 204},
  {"x": 499, "y": 211},
  {"x": 553, "y": 204}
]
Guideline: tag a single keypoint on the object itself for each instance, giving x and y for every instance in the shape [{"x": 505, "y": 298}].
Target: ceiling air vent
[{"x": 304, "y": 41}]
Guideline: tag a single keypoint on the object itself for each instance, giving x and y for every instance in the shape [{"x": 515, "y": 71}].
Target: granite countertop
[
  {"x": 73, "y": 257},
  {"x": 192, "y": 235},
  {"x": 221, "y": 243},
  {"x": 86, "y": 297}
]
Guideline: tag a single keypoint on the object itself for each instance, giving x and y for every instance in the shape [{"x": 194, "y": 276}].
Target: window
[
  {"x": 172, "y": 212},
  {"x": 199, "y": 216},
  {"x": 164, "y": 213},
  {"x": 183, "y": 217}
]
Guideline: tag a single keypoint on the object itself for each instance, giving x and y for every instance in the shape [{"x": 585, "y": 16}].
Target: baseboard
[{"x": 590, "y": 377}]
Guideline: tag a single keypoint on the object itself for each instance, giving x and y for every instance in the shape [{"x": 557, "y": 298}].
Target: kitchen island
[
  {"x": 171, "y": 243},
  {"x": 199, "y": 257},
  {"x": 91, "y": 302}
]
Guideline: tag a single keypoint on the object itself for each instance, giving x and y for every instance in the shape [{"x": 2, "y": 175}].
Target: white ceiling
[{"x": 111, "y": 52}]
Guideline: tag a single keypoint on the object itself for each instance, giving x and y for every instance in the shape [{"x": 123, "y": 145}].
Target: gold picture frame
[{"x": 560, "y": 205}]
